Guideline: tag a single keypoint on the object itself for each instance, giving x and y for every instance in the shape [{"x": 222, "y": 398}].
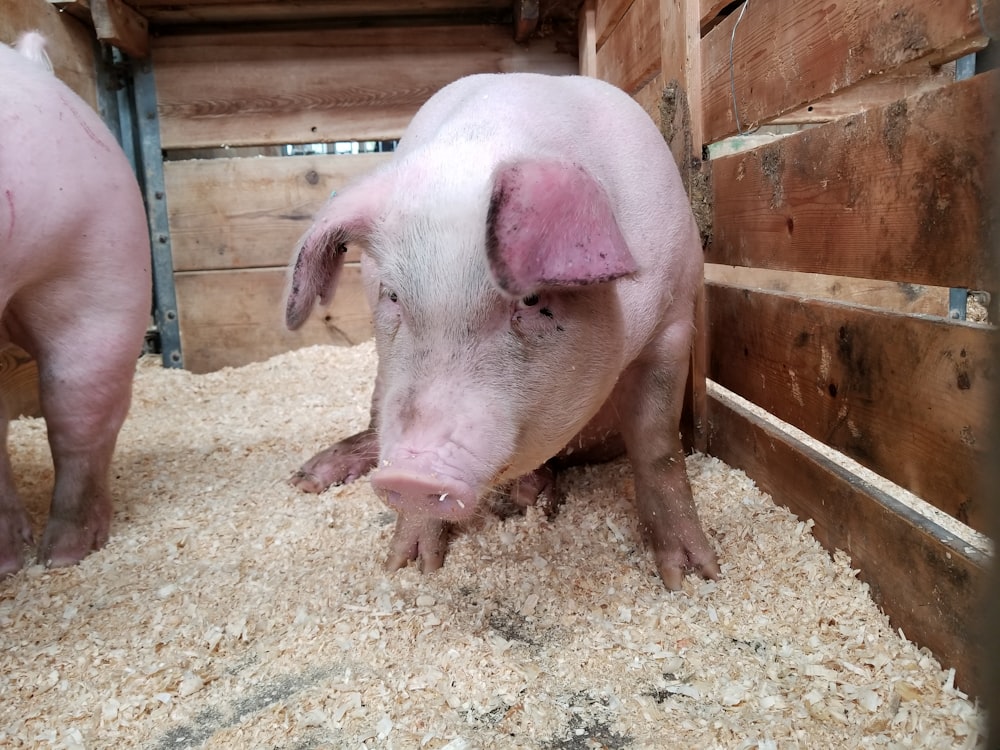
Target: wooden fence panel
[
  {"x": 630, "y": 57},
  {"x": 905, "y": 395},
  {"x": 325, "y": 85},
  {"x": 925, "y": 579},
  {"x": 231, "y": 318},
  {"x": 249, "y": 213},
  {"x": 788, "y": 53},
  {"x": 900, "y": 193}
]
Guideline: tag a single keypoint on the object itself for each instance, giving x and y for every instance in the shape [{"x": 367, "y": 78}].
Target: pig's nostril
[{"x": 425, "y": 493}]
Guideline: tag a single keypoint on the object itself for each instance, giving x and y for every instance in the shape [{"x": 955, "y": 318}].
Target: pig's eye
[
  {"x": 393, "y": 297},
  {"x": 530, "y": 301}
]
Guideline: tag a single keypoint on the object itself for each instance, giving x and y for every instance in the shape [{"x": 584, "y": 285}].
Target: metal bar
[
  {"x": 958, "y": 297},
  {"x": 108, "y": 102},
  {"x": 958, "y": 303},
  {"x": 126, "y": 108},
  {"x": 147, "y": 124},
  {"x": 965, "y": 67}
]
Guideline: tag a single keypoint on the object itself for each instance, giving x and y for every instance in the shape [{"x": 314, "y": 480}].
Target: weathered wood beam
[
  {"x": 114, "y": 22},
  {"x": 119, "y": 24},
  {"x": 587, "y": 38},
  {"x": 76, "y": 8},
  {"x": 526, "y": 15}
]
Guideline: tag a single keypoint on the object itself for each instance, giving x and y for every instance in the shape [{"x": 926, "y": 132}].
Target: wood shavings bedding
[{"x": 231, "y": 611}]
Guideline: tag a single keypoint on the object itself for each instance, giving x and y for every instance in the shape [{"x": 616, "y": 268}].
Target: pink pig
[
  {"x": 74, "y": 293},
  {"x": 532, "y": 262}
]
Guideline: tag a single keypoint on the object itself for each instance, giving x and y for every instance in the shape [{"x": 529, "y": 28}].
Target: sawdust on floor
[{"x": 230, "y": 610}]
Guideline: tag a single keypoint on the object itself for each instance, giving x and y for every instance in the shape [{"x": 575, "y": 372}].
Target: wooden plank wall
[
  {"x": 829, "y": 253},
  {"x": 234, "y": 221},
  {"x": 71, "y": 50}
]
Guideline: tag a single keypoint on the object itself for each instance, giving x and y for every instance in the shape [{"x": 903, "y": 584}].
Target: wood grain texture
[
  {"x": 709, "y": 10},
  {"x": 680, "y": 52},
  {"x": 249, "y": 213},
  {"x": 169, "y": 13},
  {"x": 587, "y": 38},
  {"x": 926, "y": 580},
  {"x": 231, "y": 318},
  {"x": 888, "y": 295},
  {"x": 608, "y": 14},
  {"x": 871, "y": 93},
  {"x": 18, "y": 383},
  {"x": 904, "y": 395},
  {"x": 630, "y": 57},
  {"x": 324, "y": 85},
  {"x": 901, "y": 193},
  {"x": 789, "y": 53},
  {"x": 119, "y": 24}
]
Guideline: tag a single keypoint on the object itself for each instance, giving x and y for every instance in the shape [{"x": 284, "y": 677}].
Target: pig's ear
[
  {"x": 319, "y": 257},
  {"x": 551, "y": 224}
]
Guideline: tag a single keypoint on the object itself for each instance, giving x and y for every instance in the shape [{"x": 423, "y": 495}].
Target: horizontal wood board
[
  {"x": 231, "y": 318},
  {"x": 907, "y": 396},
  {"x": 250, "y": 213},
  {"x": 708, "y": 10},
  {"x": 630, "y": 56},
  {"x": 926, "y": 580},
  {"x": 789, "y": 53},
  {"x": 900, "y": 193},
  {"x": 608, "y": 14},
  {"x": 165, "y": 13},
  {"x": 871, "y": 93},
  {"x": 888, "y": 295},
  {"x": 325, "y": 85}
]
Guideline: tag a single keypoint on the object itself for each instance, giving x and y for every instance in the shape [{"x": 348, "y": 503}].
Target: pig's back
[{"x": 66, "y": 183}]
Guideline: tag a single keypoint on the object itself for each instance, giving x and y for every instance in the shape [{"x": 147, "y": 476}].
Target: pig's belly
[{"x": 600, "y": 440}]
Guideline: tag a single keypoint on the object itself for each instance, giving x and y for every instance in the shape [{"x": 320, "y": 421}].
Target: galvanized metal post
[
  {"x": 147, "y": 124},
  {"x": 958, "y": 297}
]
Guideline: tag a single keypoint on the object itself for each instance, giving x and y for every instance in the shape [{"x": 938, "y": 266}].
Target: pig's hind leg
[
  {"x": 84, "y": 391},
  {"x": 15, "y": 527},
  {"x": 85, "y": 386}
]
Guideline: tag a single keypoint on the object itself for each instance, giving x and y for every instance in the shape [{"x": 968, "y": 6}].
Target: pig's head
[{"x": 498, "y": 328}]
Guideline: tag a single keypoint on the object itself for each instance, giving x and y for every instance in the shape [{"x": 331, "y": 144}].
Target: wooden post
[
  {"x": 587, "y": 38},
  {"x": 680, "y": 35}
]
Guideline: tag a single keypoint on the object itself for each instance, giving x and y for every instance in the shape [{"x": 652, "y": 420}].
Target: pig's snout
[{"x": 430, "y": 494}]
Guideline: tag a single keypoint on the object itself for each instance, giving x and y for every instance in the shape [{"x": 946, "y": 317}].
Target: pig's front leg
[
  {"x": 650, "y": 399},
  {"x": 346, "y": 460},
  {"x": 419, "y": 538},
  {"x": 538, "y": 488},
  {"x": 341, "y": 463},
  {"x": 15, "y": 527}
]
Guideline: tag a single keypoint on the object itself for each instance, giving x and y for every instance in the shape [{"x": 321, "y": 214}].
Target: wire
[{"x": 732, "y": 74}]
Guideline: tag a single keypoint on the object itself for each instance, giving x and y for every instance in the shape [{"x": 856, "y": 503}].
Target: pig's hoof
[
  {"x": 11, "y": 560},
  {"x": 64, "y": 543},
  {"x": 677, "y": 561},
  {"x": 15, "y": 533},
  {"x": 307, "y": 482},
  {"x": 423, "y": 540},
  {"x": 341, "y": 463}
]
